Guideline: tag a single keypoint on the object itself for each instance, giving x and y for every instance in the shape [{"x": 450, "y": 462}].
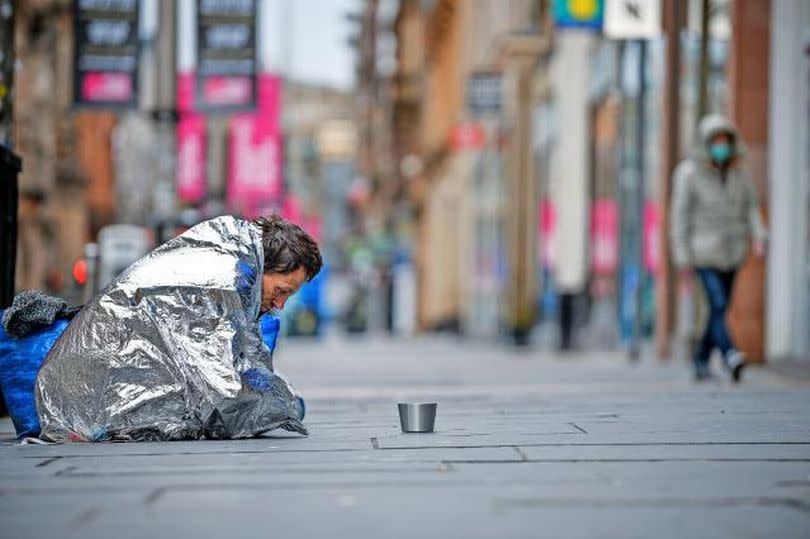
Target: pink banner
[
  {"x": 105, "y": 86},
  {"x": 192, "y": 184},
  {"x": 255, "y": 160},
  {"x": 254, "y": 167},
  {"x": 191, "y": 158},
  {"x": 185, "y": 91},
  {"x": 548, "y": 233},
  {"x": 604, "y": 236},
  {"x": 652, "y": 240}
]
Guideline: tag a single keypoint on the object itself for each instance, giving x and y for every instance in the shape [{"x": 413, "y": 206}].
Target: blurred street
[
  {"x": 547, "y": 216},
  {"x": 526, "y": 445}
]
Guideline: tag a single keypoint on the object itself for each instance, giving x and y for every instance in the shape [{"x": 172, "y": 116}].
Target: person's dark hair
[{"x": 287, "y": 247}]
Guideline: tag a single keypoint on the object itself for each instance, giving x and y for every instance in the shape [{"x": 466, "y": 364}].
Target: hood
[{"x": 708, "y": 127}]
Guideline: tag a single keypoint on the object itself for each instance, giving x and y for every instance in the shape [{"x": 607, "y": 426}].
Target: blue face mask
[{"x": 720, "y": 152}]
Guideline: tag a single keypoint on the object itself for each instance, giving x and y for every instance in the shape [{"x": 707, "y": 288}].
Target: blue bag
[{"x": 20, "y": 360}]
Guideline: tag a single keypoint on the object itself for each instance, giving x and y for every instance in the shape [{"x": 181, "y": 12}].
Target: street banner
[
  {"x": 604, "y": 236},
  {"x": 226, "y": 55},
  {"x": 105, "y": 53},
  {"x": 548, "y": 234},
  {"x": 192, "y": 183},
  {"x": 191, "y": 158},
  {"x": 578, "y": 14},
  {"x": 632, "y": 19},
  {"x": 255, "y": 180},
  {"x": 484, "y": 93}
]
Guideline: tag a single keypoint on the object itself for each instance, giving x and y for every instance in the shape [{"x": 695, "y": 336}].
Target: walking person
[{"x": 715, "y": 218}]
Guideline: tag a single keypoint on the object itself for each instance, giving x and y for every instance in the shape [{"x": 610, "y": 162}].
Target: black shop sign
[
  {"x": 106, "y": 53},
  {"x": 484, "y": 91},
  {"x": 226, "y": 55}
]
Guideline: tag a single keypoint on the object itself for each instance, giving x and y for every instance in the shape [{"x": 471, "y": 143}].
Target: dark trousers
[{"x": 718, "y": 285}]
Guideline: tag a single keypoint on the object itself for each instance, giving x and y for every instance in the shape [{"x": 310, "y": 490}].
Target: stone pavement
[{"x": 526, "y": 445}]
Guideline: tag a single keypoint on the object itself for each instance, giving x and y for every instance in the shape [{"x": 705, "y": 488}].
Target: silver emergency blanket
[{"x": 171, "y": 349}]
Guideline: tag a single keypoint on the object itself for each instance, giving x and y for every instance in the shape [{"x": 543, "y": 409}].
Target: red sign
[
  {"x": 604, "y": 236},
  {"x": 107, "y": 87},
  {"x": 468, "y": 136}
]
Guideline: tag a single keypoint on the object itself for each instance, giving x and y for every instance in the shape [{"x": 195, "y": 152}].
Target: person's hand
[{"x": 759, "y": 248}]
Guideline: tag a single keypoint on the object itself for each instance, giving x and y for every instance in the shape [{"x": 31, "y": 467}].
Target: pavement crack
[
  {"x": 47, "y": 462},
  {"x": 68, "y": 471},
  {"x": 580, "y": 429},
  {"x": 154, "y": 496},
  {"x": 520, "y": 452},
  {"x": 502, "y": 504},
  {"x": 84, "y": 518}
]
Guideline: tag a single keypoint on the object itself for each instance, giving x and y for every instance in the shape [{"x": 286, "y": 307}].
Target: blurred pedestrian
[{"x": 715, "y": 217}]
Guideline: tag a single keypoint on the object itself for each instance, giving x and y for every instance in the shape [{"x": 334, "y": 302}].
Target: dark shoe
[
  {"x": 703, "y": 373},
  {"x": 735, "y": 362}
]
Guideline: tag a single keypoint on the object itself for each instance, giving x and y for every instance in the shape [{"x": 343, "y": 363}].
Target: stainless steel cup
[{"x": 417, "y": 417}]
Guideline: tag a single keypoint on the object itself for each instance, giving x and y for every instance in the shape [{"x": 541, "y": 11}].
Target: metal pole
[
  {"x": 671, "y": 153},
  {"x": 7, "y": 60},
  {"x": 635, "y": 348},
  {"x": 703, "y": 81}
]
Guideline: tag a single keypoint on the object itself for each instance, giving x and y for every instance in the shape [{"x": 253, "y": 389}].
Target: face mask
[{"x": 720, "y": 153}]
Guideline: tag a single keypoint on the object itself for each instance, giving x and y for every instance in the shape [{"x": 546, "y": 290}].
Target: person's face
[
  {"x": 278, "y": 287},
  {"x": 721, "y": 149}
]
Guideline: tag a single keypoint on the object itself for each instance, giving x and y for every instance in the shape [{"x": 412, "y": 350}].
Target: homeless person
[{"x": 172, "y": 349}]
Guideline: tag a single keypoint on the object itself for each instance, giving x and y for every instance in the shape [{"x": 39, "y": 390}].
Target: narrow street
[{"x": 526, "y": 445}]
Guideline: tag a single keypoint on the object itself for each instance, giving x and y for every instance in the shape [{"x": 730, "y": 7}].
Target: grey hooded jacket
[{"x": 713, "y": 222}]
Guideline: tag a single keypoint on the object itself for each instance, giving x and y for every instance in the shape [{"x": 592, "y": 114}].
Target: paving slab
[{"x": 526, "y": 445}]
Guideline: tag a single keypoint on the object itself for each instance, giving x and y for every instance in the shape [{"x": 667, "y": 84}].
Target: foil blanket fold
[{"x": 171, "y": 349}]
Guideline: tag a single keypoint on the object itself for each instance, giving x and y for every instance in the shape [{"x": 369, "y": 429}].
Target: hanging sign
[
  {"x": 192, "y": 182},
  {"x": 226, "y": 55},
  {"x": 604, "y": 236},
  {"x": 484, "y": 93},
  {"x": 632, "y": 19},
  {"x": 255, "y": 173},
  {"x": 578, "y": 14},
  {"x": 105, "y": 53}
]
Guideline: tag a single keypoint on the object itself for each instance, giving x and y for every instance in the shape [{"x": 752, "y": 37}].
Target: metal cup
[{"x": 417, "y": 417}]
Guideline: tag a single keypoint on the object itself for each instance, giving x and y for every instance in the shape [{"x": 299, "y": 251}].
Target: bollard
[{"x": 10, "y": 167}]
